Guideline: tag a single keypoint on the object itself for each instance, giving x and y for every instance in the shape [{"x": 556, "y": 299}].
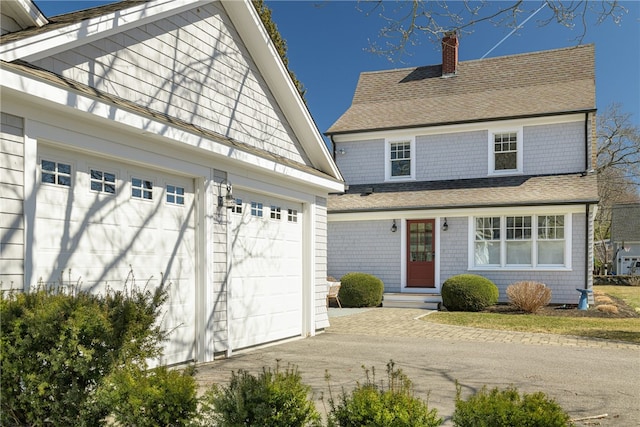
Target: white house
[{"x": 167, "y": 138}]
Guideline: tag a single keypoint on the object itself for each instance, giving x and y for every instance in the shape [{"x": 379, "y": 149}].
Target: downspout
[
  {"x": 587, "y": 163},
  {"x": 586, "y": 246},
  {"x": 333, "y": 147}
]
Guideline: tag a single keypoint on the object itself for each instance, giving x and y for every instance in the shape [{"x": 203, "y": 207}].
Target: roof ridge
[{"x": 492, "y": 58}]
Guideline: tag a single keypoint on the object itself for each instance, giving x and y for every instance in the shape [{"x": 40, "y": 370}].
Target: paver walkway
[{"x": 409, "y": 323}]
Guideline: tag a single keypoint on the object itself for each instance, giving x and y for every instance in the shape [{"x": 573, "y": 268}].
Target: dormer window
[
  {"x": 505, "y": 152},
  {"x": 400, "y": 162}
]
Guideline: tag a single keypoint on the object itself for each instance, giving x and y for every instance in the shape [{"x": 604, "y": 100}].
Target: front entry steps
[{"x": 412, "y": 300}]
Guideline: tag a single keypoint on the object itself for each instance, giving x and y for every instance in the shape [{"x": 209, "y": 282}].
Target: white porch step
[{"x": 412, "y": 300}]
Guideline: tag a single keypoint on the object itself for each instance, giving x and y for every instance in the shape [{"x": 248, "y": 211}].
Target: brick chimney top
[{"x": 449, "y": 54}]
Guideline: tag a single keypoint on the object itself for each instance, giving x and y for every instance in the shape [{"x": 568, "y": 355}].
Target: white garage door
[
  {"x": 265, "y": 296},
  {"x": 97, "y": 220}
]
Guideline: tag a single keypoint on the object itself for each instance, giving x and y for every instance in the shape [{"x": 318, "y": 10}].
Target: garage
[
  {"x": 97, "y": 220},
  {"x": 265, "y": 292}
]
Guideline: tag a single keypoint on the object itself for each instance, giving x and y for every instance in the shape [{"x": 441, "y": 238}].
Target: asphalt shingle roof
[
  {"x": 540, "y": 83},
  {"x": 467, "y": 193}
]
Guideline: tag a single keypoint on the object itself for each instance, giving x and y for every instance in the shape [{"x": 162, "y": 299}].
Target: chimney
[{"x": 449, "y": 54}]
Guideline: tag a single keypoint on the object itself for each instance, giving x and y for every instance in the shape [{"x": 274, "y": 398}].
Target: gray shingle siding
[
  {"x": 366, "y": 247},
  {"x": 363, "y": 161},
  {"x": 554, "y": 148},
  {"x": 11, "y": 202}
]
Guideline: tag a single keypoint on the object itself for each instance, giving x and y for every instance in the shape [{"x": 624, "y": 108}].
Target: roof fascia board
[
  {"x": 458, "y": 211},
  {"x": 27, "y": 13},
  {"x": 257, "y": 40},
  {"x": 49, "y": 43},
  {"x": 28, "y": 88},
  {"x": 458, "y": 127}
]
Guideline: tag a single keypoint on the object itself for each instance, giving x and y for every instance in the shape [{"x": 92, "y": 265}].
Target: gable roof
[
  {"x": 625, "y": 223},
  {"x": 468, "y": 193},
  {"x": 20, "y": 14},
  {"x": 560, "y": 81},
  {"x": 71, "y": 30}
]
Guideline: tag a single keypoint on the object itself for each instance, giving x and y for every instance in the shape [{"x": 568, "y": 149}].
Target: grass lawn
[{"x": 618, "y": 329}]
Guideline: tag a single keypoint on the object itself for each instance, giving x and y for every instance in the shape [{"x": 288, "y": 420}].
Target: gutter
[{"x": 460, "y": 122}]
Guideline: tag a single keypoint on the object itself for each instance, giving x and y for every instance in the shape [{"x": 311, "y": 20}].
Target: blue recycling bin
[{"x": 583, "y": 304}]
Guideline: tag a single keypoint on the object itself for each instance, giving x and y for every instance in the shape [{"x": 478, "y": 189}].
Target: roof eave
[{"x": 462, "y": 122}]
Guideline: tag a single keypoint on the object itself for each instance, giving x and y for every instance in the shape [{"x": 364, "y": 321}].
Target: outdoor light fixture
[
  {"x": 445, "y": 226},
  {"x": 394, "y": 227},
  {"x": 227, "y": 200}
]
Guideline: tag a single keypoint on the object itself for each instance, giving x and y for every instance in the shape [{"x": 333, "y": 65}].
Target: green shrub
[
  {"x": 360, "y": 290},
  {"x": 272, "y": 399},
  {"x": 57, "y": 346},
  {"x": 468, "y": 292},
  {"x": 150, "y": 398},
  {"x": 370, "y": 404},
  {"x": 507, "y": 408}
]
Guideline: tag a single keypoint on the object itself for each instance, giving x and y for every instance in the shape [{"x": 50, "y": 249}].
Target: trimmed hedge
[
  {"x": 360, "y": 290},
  {"x": 468, "y": 292}
]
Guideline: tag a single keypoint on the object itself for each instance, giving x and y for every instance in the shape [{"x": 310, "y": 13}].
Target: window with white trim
[
  {"x": 505, "y": 152},
  {"x": 141, "y": 189},
  {"x": 292, "y": 215},
  {"x": 256, "y": 209},
  {"x": 56, "y": 173},
  {"x": 237, "y": 206},
  {"x": 103, "y": 182},
  {"x": 520, "y": 241},
  {"x": 275, "y": 212},
  {"x": 175, "y": 195},
  {"x": 400, "y": 162}
]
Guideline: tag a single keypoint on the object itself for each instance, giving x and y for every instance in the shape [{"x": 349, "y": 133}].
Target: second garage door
[{"x": 265, "y": 293}]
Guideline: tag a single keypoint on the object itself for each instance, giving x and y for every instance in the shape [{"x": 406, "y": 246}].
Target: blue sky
[{"x": 327, "y": 42}]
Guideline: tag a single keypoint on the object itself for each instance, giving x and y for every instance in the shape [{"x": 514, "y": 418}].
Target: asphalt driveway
[{"x": 587, "y": 377}]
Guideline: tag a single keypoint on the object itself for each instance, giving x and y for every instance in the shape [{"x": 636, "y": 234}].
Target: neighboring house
[
  {"x": 480, "y": 167},
  {"x": 165, "y": 137},
  {"x": 625, "y": 236}
]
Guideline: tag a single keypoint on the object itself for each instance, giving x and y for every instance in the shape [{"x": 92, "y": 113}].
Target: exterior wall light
[
  {"x": 394, "y": 227},
  {"x": 445, "y": 226},
  {"x": 226, "y": 201},
  {"x": 341, "y": 151}
]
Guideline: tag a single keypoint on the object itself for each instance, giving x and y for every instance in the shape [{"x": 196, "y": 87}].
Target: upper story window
[
  {"x": 141, "y": 189},
  {"x": 56, "y": 173},
  {"x": 400, "y": 159},
  {"x": 175, "y": 195},
  {"x": 103, "y": 182},
  {"x": 520, "y": 241},
  {"x": 505, "y": 152}
]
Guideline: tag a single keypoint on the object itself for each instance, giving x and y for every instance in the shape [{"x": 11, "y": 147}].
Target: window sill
[{"x": 522, "y": 268}]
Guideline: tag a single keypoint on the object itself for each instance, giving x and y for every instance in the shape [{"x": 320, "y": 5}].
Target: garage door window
[
  {"x": 237, "y": 207},
  {"x": 256, "y": 209},
  {"x": 56, "y": 173},
  {"x": 175, "y": 195},
  {"x": 292, "y": 215},
  {"x": 141, "y": 189},
  {"x": 103, "y": 182},
  {"x": 275, "y": 212}
]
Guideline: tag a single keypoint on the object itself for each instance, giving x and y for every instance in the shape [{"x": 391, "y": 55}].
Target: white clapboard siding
[{"x": 192, "y": 66}]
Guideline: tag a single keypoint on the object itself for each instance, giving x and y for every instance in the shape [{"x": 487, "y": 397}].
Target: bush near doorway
[
  {"x": 360, "y": 290},
  {"x": 468, "y": 292}
]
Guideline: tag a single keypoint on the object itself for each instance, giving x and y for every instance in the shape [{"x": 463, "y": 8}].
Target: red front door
[{"x": 420, "y": 253}]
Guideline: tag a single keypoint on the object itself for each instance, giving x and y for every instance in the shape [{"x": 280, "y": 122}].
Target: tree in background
[
  {"x": 618, "y": 168},
  {"x": 406, "y": 21},
  {"x": 281, "y": 44}
]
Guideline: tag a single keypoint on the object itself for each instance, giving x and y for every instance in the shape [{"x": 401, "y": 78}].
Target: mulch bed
[{"x": 624, "y": 310}]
